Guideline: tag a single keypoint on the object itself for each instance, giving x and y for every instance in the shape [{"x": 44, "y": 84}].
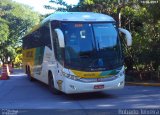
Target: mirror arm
[
  {"x": 128, "y": 36},
  {"x": 60, "y": 37}
]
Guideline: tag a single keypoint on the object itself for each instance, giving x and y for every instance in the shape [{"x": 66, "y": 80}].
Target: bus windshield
[{"x": 92, "y": 46}]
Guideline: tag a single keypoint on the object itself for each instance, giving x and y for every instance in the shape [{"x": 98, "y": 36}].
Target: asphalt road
[{"x": 19, "y": 93}]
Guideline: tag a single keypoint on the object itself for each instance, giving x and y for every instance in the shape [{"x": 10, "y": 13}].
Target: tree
[
  {"x": 16, "y": 19},
  {"x": 4, "y": 33},
  {"x": 62, "y": 5},
  {"x": 143, "y": 21}
]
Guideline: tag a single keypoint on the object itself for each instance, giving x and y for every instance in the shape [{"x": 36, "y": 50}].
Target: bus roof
[
  {"x": 75, "y": 16},
  {"x": 78, "y": 16}
]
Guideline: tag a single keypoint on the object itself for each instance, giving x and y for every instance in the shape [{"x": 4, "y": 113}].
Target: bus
[{"x": 76, "y": 52}]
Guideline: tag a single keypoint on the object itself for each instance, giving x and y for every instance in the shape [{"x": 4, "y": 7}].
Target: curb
[{"x": 142, "y": 84}]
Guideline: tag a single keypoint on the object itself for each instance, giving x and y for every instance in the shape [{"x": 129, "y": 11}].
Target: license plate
[{"x": 98, "y": 86}]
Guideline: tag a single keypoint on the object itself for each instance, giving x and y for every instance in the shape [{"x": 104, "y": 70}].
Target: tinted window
[
  {"x": 38, "y": 38},
  {"x": 91, "y": 46},
  {"x": 106, "y": 35}
]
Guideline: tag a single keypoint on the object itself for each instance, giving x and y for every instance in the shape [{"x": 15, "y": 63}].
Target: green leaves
[
  {"x": 88, "y": 2},
  {"x": 4, "y": 30},
  {"x": 16, "y": 19}
]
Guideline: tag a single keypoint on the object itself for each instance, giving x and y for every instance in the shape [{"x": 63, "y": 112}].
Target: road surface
[{"x": 19, "y": 93}]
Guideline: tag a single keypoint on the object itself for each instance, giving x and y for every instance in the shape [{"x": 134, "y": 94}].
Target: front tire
[{"x": 52, "y": 89}]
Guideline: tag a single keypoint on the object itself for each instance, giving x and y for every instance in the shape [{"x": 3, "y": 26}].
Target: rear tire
[
  {"x": 26, "y": 70},
  {"x": 52, "y": 89},
  {"x": 29, "y": 74}
]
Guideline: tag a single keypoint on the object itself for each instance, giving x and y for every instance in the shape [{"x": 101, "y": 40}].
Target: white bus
[{"x": 75, "y": 52}]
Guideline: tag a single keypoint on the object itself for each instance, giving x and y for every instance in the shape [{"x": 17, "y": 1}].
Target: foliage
[
  {"x": 143, "y": 22},
  {"x": 15, "y": 20},
  {"x": 62, "y": 5},
  {"x": 4, "y": 33},
  {"x": 18, "y": 60}
]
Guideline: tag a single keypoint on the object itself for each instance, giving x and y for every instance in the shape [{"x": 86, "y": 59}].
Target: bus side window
[
  {"x": 57, "y": 49},
  {"x": 36, "y": 39},
  {"x": 45, "y": 36}
]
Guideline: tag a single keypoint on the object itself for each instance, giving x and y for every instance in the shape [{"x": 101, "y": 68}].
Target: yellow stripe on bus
[{"x": 82, "y": 74}]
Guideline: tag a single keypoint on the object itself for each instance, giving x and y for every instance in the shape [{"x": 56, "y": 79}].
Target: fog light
[{"x": 121, "y": 83}]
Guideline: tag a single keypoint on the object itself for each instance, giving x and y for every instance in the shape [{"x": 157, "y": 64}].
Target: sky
[{"x": 38, "y": 5}]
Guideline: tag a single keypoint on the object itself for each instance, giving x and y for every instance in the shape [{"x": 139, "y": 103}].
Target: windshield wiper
[
  {"x": 85, "y": 55},
  {"x": 92, "y": 63}
]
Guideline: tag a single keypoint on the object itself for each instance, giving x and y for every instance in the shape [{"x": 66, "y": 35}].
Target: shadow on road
[{"x": 88, "y": 96}]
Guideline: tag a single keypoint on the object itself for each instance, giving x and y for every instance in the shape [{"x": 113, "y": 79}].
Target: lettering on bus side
[
  {"x": 89, "y": 74},
  {"x": 48, "y": 56},
  {"x": 29, "y": 54},
  {"x": 38, "y": 70}
]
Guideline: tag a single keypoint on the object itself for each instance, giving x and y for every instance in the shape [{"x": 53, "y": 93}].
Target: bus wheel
[
  {"x": 26, "y": 70},
  {"x": 52, "y": 89},
  {"x": 29, "y": 75}
]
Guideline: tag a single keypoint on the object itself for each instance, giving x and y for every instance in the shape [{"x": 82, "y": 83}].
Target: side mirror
[
  {"x": 60, "y": 37},
  {"x": 128, "y": 36}
]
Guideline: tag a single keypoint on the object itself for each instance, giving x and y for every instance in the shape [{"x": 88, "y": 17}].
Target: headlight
[
  {"x": 73, "y": 77},
  {"x": 121, "y": 73},
  {"x": 65, "y": 74}
]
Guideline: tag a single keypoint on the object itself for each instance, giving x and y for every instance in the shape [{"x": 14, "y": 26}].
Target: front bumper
[{"x": 72, "y": 86}]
